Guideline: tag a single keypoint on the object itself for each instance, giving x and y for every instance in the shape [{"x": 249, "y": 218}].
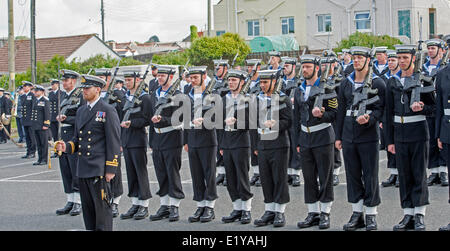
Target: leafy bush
[{"x": 367, "y": 40}]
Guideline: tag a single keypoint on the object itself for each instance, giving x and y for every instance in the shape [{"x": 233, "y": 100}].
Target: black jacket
[
  {"x": 442, "y": 104},
  {"x": 27, "y": 107},
  {"x": 54, "y": 106},
  {"x": 40, "y": 113},
  {"x": 136, "y": 136},
  {"x": 241, "y": 137}
]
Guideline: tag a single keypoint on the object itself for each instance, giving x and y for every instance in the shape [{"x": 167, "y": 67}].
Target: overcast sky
[{"x": 125, "y": 20}]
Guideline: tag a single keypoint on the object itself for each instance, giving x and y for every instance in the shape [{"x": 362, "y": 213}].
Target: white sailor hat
[
  {"x": 232, "y": 73},
  {"x": 267, "y": 74},
  {"x": 166, "y": 70},
  {"x": 435, "y": 42},
  {"x": 103, "y": 72},
  {"x": 361, "y": 51},
  {"x": 381, "y": 49},
  {"x": 310, "y": 59},
  {"x": 275, "y": 54},
  {"x": 406, "y": 49},
  {"x": 289, "y": 60},
  {"x": 252, "y": 62},
  {"x": 27, "y": 83},
  {"x": 39, "y": 88},
  {"x": 197, "y": 70},
  {"x": 131, "y": 73},
  {"x": 88, "y": 81},
  {"x": 221, "y": 62},
  {"x": 392, "y": 54},
  {"x": 65, "y": 74}
]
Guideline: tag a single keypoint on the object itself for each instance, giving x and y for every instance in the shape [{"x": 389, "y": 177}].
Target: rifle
[
  {"x": 320, "y": 92},
  {"x": 277, "y": 92},
  {"x": 72, "y": 102},
  {"x": 9, "y": 135},
  {"x": 444, "y": 61},
  {"x": 110, "y": 93},
  {"x": 361, "y": 99}
]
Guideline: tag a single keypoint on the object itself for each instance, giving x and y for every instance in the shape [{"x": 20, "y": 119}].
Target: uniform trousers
[
  {"x": 116, "y": 183},
  {"x": 361, "y": 169},
  {"x": 202, "y": 163},
  {"x": 137, "y": 174},
  {"x": 30, "y": 139},
  {"x": 236, "y": 168},
  {"x": 42, "y": 144},
  {"x": 68, "y": 168},
  {"x": 273, "y": 165},
  {"x": 412, "y": 159},
  {"x": 167, "y": 167},
  {"x": 97, "y": 214},
  {"x": 318, "y": 162}
]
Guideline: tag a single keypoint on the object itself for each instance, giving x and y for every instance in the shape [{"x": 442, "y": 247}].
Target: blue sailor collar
[
  {"x": 428, "y": 63},
  {"x": 351, "y": 77},
  {"x": 128, "y": 94},
  {"x": 303, "y": 85}
]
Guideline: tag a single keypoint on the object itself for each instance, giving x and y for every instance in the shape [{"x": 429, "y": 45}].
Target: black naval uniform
[
  {"x": 316, "y": 140},
  {"x": 360, "y": 145},
  {"x": 166, "y": 142},
  {"x": 27, "y": 106},
  {"x": 443, "y": 115},
  {"x": 221, "y": 177},
  {"x": 97, "y": 142},
  {"x": 202, "y": 151},
  {"x": 348, "y": 69},
  {"x": 7, "y": 105},
  {"x": 54, "y": 108},
  {"x": 40, "y": 117},
  {"x": 134, "y": 144},
  {"x": 235, "y": 144},
  {"x": 273, "y": 159},
  {"x": 409, "y": 132},
  {"x": 68, "y": 161},
  {"x": 255, "y": 180}
]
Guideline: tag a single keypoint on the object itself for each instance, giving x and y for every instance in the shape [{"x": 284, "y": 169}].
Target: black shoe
[
  {"x": 141, "y": 214},
  {"x": 115, "y": 210},
  {"x": 38, "y": 163},
  {"x": 312, "y": 219},
  {"x": 66, "y": 209},
  {"x": 197, "y": 215},
  {"x": 324, "y": 221},
  {"x": 130, "y": 213},
  {"x": 295, "y": 180},
  {"x": 258, "y": 183},
  {"x": 407, "y": 223},
  {"x": 279, "y": 220},
  {"x": 390, "y": 181},
  {"x": 433, "y": 179},
  {"x": 225, "y": 183},
  {"x": 174, "y": 215},
  {"x": 162, "y": 213},
  {"x": 254, "y": 179},
  {"x": 356, "y": 222},
  {"x": 397, "y": 182},
  {"x": 371, "y": 223},
  {"x": 220, "y": 178},
  {"x": 419, "y": 222},
  {"x": 234, "y": 216},
  {"x": 25, "y": 156},
  {"x": 335, "y": 180},
  {"x": 444, "y": 179},
  {"x": 445, "y": 229},
  {"x": 208, "y": 215},
  {"x": 266, "y": 219},
  {"x": 246, "y": 217},
  {"x": 290, "y": 178},
  {"x": 43, "y": 163},
  {"x": 76, "y": 210}
]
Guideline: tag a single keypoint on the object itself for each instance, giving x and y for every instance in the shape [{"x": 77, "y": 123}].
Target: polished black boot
[
  {"x": 141, "y": 214},
  {"x": 173, "y": 214},
  {"x": 76, "y": 209},
  {"x": 312, "y": 219},
  {"x": 266, "y": 219},
  {"x": 295, "y": 180},
  {"x": 444, "y": 179},
  {"x": 445, "y": 229},
  {"x": 336, "y": 180},
  {"x": 390, "y": 181},
  {"x": 419, "y": 222},
  {"x": 356, "y": 222},
  {"x": 208, "y": 215},
  {"x": 324, "y": 221},
  {"x": 279, "y": 220},
  {"x": 197, "y": 215},
  {"x": 433, "y": 179},
  {"x": 220, "y": 178},
  {"x": 66, "y": 209},
  {"x": 290, "y": 179},
  {"x": 234, "y": 216},
  {"x": 162, "y": 213},
  {"x": 130, "y": 213},
  {"x": 371, "y": 223},
  {"x": 407, "y": 223},
  {"x": 115, "y": 210},
  {"x": 254, "y": 179},
  {"x": 246, "y": 217}
]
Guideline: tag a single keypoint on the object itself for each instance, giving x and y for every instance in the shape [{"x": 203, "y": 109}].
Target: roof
[{"x": 46, "y": 49}]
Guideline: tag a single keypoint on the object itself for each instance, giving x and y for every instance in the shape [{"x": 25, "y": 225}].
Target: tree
[
  {"x": 194, "y": 33},
  {"x": 367, "y": 40}
]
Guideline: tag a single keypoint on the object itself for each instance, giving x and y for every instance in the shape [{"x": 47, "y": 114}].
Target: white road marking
[{"x": 26, "y": 175}]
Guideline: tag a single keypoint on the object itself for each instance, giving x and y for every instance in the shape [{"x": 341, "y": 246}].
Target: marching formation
[{"x": 293, "y": 117}]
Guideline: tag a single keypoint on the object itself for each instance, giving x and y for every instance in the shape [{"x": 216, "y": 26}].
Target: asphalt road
[{"x": 30, "y": 196}]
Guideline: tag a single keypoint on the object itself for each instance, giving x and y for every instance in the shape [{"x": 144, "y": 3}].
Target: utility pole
[
  {"x": 33, "y": 41},
  {"x": 209, "y": 18},
  {"x": 102, "y": 9},
  {"x": 11, "y": 48},
  {"x": 374, "y": 18}
]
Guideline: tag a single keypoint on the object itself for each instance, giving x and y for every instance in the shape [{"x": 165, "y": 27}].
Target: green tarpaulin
[{"x": 274, "y": 43}]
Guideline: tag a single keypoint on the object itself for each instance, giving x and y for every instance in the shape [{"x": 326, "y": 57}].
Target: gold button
[
  {"x": 89, "y": 132},
  {"x": 81, "y": 132},
  {"x": 80, "y": 139},
  {"x": 89, "y": 147},
  {"x": 79, "y": 154},
  {"x": 88, "y": 154},
  {"x": 89, "y": 140}
]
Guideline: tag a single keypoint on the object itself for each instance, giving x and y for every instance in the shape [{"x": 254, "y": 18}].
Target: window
[
  {"x": 253, "y": 28},
  {"x": 219, "y": 33},
  {"x": 362, "y": 21},
  {"x": 404, "y": 23},
  {"x": 324, "y": 22},
  {"x": 287, "y": 25}
]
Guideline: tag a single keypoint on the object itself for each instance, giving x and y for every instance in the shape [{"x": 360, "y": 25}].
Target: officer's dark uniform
[
  {"x": 27, "y": 106},
  {"x": 19, "y": 124},
  {"x": 134, "y": 144},
  {"x": 166, "y": 141},
  {"x": 347, "y": 68},
  {"x": 202, "y": 144},
  {"x": 361, "y": 147},
  {"x": 409, "y": 132},
  {"x": 443, "y": 114},
  {"x": 97, "y": 143},
  {"x": 6, "y": 109},
  {"x": 153, "y": 85},
  {"x": 2, "y": 110},
  {"x": 273, "y": 153},
  {"x": 376, "y": 69},
  {"x": 40, "y": 117},
  {"x": 54, "y": 97},
  {"x": 316, "y": 139},
  {"x": 235, "y": 144},
  {"x": 67, "y": 161}
]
